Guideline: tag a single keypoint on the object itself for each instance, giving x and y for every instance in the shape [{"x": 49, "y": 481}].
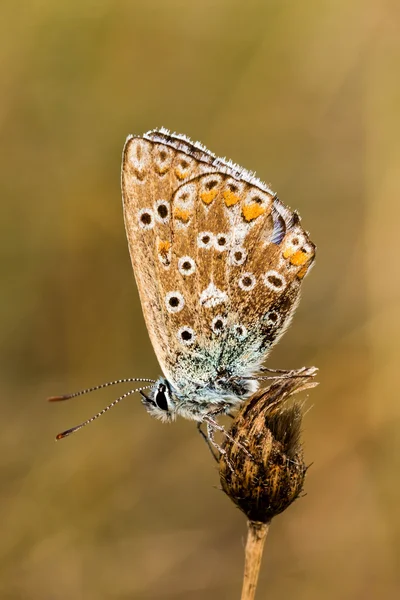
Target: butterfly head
[{"x": 160, "y": 403}]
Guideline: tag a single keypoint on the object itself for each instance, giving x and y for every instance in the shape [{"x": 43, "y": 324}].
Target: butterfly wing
[
  {"x": 154, "y": 167},
  {"x": 217, "y": 258}
]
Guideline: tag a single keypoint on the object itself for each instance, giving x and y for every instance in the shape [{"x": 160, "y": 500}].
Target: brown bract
[{"x": 264, "y": 481}]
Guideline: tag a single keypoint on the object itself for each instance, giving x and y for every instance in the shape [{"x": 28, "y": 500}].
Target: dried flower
[
  {"x": 262, "y": 468},
  {"x": 264, "y": 481}
]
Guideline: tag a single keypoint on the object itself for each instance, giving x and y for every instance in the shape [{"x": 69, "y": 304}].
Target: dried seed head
[{"x": 264, "y": 481}]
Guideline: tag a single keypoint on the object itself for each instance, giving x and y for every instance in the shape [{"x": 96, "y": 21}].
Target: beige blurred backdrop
[{"x": 308, "y": 95}]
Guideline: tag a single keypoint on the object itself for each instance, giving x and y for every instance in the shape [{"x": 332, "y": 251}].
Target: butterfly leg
[
  {"x": 207, "y": 441},
  {"x": 211, "y": 426},
  {"x": 288, "y": 374},
  {"x": 280, "y": 371}
]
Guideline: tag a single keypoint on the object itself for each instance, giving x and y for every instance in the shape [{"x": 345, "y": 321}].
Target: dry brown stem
[{"x": 256, "y": 536}]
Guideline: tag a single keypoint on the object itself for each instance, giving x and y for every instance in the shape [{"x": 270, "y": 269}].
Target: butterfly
[{"x": 219, "y": 261}]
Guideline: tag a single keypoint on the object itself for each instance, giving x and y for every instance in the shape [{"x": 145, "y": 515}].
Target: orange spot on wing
[
  {"x": 208, "y": 197},
  {"x": 230, "y": 198},
  {"x": 252, "y": 211},
  {"x": 181, "y": 214},
  {"x": 299, "y": 258},
  {"x": 288, "y": 252},
  {"x": 181, "y": 174},
  {"x": 164, "y": 246},
  {"x": 303, "y": 272}
]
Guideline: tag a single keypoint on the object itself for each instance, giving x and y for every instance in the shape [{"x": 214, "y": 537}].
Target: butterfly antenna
[
  {"x": 68, "y": 432},
  {"x": 97, "y": 387}
]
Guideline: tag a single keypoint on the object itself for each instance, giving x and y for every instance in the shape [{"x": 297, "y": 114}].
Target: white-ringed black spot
[
  {"x": 272, "y": 317},
  {"x": 162, "y": 211},
  {"x": 237, "y": 256},
  {"x": 274, "y": 280},
  {"x": 186, "y": 265},
  {"x": 186, "y": 335},
  {"x": 295, "y": 241},
  {"x": 205, "y": 239},
  {"x": 218, "y": 324},
  {"x": 221, "y": 242},
  {"x": 240, "y": 331},
  {"x": 211, "y": 184},
  {"x": 247, "y": 282},
  {"x": 185, "y": 196},
  {"x": 174, "y": 302},
  {"x": 258, "y": 197},
  {"x": 146, "y": 218}
]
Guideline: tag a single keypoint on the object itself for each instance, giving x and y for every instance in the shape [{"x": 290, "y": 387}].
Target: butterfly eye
[{"x": 160, "y": 398}]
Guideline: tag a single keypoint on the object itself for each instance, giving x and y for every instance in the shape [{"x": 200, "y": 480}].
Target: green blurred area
[{"x": 308, "y": 95}]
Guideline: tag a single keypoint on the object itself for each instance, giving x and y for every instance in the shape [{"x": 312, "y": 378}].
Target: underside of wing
[
  {"x": 218, "y": 259},
  {"x": 154, "y": 166}
]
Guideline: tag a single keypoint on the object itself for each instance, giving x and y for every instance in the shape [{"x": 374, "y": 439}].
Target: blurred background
[{"x": 308, "y": 95}]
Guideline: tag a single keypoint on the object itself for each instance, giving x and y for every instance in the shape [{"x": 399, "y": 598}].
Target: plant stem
[{"x": 256, "y": 536}]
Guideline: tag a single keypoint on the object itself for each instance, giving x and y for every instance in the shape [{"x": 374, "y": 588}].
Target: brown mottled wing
[
  {"x": 251, "y": 255},
  {"x": 276, "y": 254},
  {"x": 154, "y": 167},
  {"x": 217, "y": 258}
]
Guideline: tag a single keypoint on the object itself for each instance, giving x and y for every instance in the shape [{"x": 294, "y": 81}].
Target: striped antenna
[
  {"x": 97, "y": 387},
  {"x": 68, "y": 432}
]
